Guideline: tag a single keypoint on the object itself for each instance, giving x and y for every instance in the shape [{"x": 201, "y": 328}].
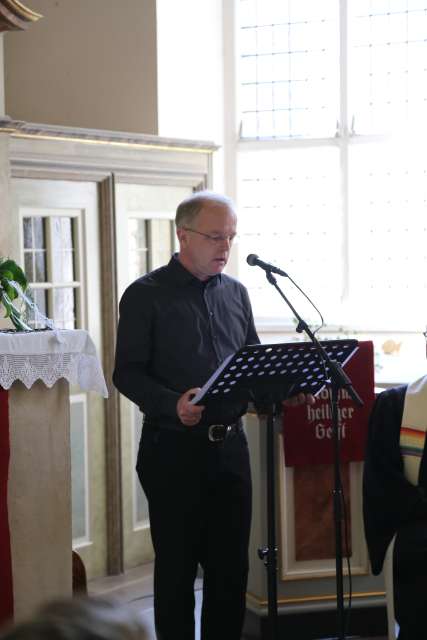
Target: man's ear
[{"x": 182, "y": 236}]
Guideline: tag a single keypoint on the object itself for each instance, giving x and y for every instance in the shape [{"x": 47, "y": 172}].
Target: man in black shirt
[{"x": 177, "y": 324}]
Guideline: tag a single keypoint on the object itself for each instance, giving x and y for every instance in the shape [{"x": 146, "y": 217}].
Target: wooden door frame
[{"x": 63, "y": 153}]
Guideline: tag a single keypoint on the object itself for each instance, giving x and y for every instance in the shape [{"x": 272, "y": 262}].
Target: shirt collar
[{"x": 182, "y": 276}]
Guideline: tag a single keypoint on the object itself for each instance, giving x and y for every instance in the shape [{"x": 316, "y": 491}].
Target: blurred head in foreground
[{"x": 80, "y": 619}]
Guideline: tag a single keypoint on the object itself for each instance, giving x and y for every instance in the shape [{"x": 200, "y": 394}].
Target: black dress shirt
[{"x": 174, "y": 331}]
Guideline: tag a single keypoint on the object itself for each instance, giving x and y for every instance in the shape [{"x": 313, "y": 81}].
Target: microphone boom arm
[{"x": 336, "y": 371}]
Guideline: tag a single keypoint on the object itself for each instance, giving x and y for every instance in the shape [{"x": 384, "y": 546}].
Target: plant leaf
[
  {"x": 10, "y": 270},
  {"x": 13, "y": 313}
]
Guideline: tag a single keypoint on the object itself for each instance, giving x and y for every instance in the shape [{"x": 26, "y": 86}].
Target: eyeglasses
[{"x": 216, "y": 239}]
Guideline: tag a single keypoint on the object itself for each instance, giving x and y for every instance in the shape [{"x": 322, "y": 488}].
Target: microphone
[{"x": 254, "y": 261}]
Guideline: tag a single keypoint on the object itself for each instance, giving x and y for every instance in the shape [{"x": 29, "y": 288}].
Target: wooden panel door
[
  {"x": 60, "y": 253},
  {"x": 145, "y": 240}
]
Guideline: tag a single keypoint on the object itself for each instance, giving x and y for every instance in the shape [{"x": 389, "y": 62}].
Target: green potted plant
[{"x": 12, "y": 282}]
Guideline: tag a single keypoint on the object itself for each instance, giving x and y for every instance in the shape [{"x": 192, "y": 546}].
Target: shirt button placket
[{"x": 214, "y": 336}]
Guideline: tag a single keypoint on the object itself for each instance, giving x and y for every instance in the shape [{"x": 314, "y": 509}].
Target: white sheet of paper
[{"x": 213, "y": 377}]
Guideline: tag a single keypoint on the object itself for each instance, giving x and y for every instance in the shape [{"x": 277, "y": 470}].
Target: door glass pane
[
  {"x": 64, "y": 307},
  {"x": 28, "y": 265},
  {"x": 138, "y": 247},
  {"x": 63, "y": 266},
  {"x": 34, "y": 233},
  {"x": 39, "y": 233},
  {"x": 161, "y": 246},
  {"x": 40, "y": 261},
  {"x": 28, "y": 233},
  {"x": 39, "y": 296},
  {"x": 63, "y": 249}
]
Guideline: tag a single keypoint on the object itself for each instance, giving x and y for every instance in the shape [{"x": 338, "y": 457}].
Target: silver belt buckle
[{"x": 213, "y": 434}]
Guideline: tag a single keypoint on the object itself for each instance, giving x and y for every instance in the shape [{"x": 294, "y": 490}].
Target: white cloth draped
[{"x": 49, "y": 356}]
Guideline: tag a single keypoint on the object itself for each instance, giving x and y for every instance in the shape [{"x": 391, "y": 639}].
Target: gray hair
[
  {"x": 189, "y": 208},
  {"x": 80, "y": 618}
]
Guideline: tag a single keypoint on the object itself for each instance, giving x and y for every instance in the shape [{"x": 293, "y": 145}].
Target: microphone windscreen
[{"x": 252, "y": 259}]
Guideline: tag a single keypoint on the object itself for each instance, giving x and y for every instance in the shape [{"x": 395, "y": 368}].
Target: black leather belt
[
  {"x": 213, "y": 432},
  {"x": 219, "y": 432}
]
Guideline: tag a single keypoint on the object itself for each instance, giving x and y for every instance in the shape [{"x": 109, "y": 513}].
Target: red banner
[
  {"x": 307, "y": 430},
  {"x": 6, "y": 597}
]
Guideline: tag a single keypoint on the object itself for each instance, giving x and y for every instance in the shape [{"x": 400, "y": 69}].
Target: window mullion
[
  {"x": 49, "y": 273},
  {"x": 80, "y": 311},
  {"x": 343, "y": 70},
  {"x": 343, "y": 130}
]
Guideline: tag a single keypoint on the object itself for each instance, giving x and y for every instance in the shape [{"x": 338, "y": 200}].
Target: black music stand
[{"x": 271, "y": 373}]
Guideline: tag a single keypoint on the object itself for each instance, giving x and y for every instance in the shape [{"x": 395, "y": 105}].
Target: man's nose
[{"x": 227, "y": 241}]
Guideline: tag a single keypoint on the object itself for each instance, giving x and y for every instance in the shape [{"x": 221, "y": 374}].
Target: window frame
[
  {"x": 344, "y": 139},
  {"x": 79, "y": 259}
]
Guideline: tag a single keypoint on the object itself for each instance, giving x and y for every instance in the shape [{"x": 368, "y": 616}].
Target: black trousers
[
  {"x": 199, "y": 496},
  {"x": 410, "y": 581}
]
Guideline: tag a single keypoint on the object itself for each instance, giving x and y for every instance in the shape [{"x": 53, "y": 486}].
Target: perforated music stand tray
[{"x": 292, "y": 367}]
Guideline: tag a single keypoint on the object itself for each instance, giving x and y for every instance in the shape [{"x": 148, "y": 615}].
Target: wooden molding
[
  {"x": 68, "y": 153},
  {"x": 258, "y": 602},
  {"x": 113, "y": 448},
  {"x": 21, "y": 129},
  {"x": 14, "y": 16}
]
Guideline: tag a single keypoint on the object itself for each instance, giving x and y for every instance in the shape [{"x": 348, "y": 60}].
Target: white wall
[
  {"x": 190, "y": 73},
  {"x": 85, "y": 63}
]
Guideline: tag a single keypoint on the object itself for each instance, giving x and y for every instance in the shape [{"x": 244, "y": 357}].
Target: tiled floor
[{"x": 134, "y": 589}]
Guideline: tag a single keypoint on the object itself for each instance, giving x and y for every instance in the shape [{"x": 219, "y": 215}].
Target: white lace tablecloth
[{"x": 49, "y": 356}]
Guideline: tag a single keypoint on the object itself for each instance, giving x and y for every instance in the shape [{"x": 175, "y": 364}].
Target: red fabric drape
[
  {"x": 307, "y": 429},
  {"x": 6, "y": 591}
]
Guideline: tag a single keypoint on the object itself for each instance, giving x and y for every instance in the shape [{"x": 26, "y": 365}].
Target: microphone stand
[
  {"x": 269, "y": 553},
  {"x": 338, "y": 380}
]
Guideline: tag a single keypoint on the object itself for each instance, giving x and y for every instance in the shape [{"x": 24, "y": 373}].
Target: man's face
[{"x": 203, "y": 256}]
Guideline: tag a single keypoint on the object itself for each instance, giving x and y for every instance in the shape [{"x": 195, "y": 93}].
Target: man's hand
[
  {"x": 301, "y": 398},
  {"x": 189, "y": 414}
]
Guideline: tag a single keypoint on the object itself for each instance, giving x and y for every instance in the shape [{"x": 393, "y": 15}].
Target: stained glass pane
[
  {"x": 387, "y": 220},
  {"x": 287, "y": 42},
  {"x": 290, "y": 211},
  {"x": 388, "y": 65}
]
